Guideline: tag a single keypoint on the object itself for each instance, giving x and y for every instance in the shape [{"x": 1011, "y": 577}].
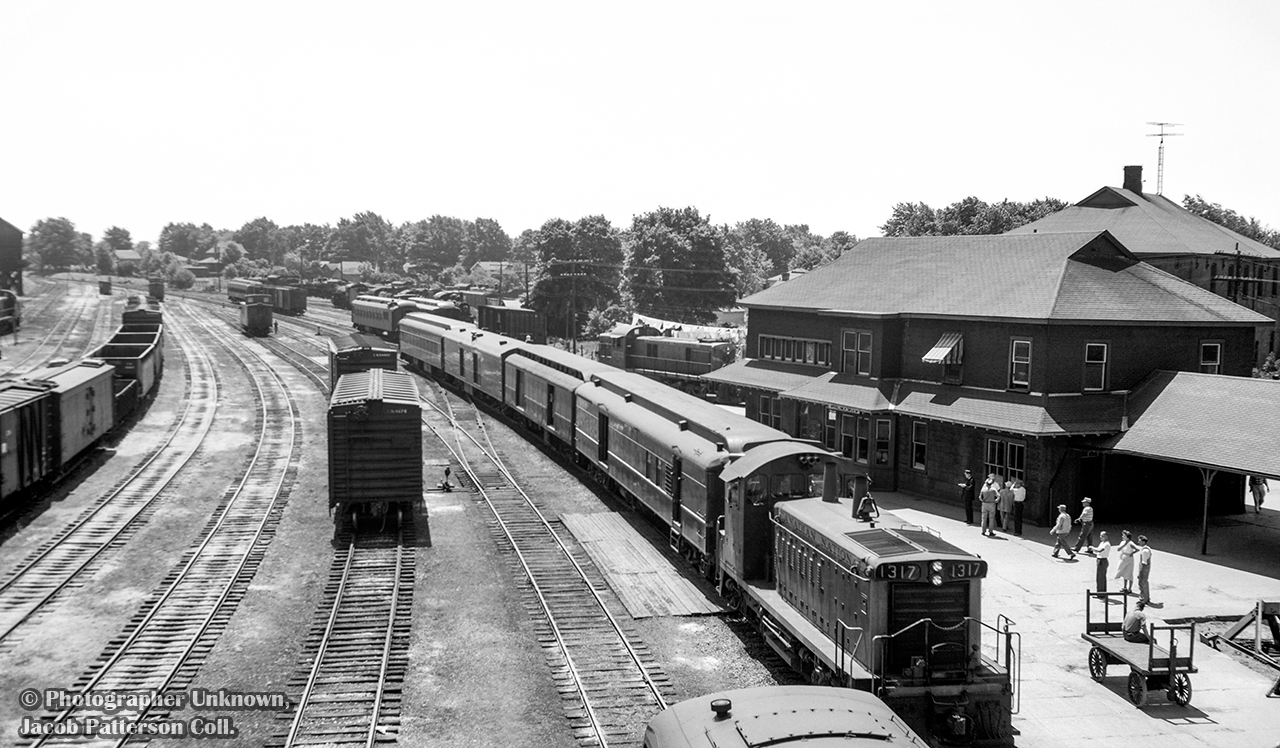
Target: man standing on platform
[
  {"x": 1019, "y": 498},
  {"x": 966, "y": 496},
  {"x": 1103, "y": 551},
  {"x": 1144, "y": 570},
  {"x": 1085, "y": 520}
]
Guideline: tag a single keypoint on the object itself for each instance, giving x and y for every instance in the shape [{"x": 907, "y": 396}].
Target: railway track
[
  {"x": 166, "y": 642},
  {"x": 610, "y": 684},
  {"x": 50, "y": 346},
  {"x": 78, "y": 547},
  {"x": 358, "y": 647}
]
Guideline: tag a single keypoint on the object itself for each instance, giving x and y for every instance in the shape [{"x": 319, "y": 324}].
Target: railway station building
[
  {"x": 1161, "y": 232},
  {"x": 1025, "y": 355}
]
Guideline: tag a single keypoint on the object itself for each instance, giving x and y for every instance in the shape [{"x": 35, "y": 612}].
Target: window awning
[{"x": 949, "y": 349}]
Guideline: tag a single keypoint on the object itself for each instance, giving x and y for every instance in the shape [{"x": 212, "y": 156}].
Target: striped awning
[{"x": 949, "y": 349}]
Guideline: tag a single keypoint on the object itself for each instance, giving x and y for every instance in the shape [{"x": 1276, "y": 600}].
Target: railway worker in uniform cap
[
  {"x": 1061, "y": 529},
  {"x": 1085, "y": 520},
  {"x": 966, "y": 496},
  {"x": 989, "y": 495}
]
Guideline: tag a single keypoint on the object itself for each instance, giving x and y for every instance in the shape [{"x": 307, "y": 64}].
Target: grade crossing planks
[{"x": 644, "y": 579}]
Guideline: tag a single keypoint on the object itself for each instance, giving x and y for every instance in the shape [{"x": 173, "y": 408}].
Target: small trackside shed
[{"x": 375, "y": 440}]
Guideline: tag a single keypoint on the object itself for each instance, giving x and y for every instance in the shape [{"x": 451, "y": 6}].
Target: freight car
[
  {"x": 770, "y": 519},
  {"x": 780, "y": 715},
  {"x": 380, "y": 316},
  {"x": 238, "y": 288},
  {"x": 155, "y": 288},
  {"x": 349, "y": 354},
  {"x": 679, "y": 362},
  {"x": 255, "y": 315},
  {"x": 375, "y": 444},
  {"x": 139, "y": 308},
  {"x": 10, "y": 311},
  {"x": 49, "y": 419},
  {"x": 528, "y": 325},
  {"x": 287, "y": 299}
]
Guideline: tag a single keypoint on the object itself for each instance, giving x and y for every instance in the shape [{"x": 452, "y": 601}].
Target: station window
[
  {"x": 919, "y": 444},
  {"x": 883, "y": 432},
  {"x": 771, "y": 411},
  {"x": 863, "y": 453},
  {"x": 797, "y": 350},
  {"x": 1095, "y": 366},
  {"x": 857, "y": 352},
  {"x": 1020, "y": 365},
  {"x": 1007, "y": 459},
  {"x": 1210, "y": 358}
]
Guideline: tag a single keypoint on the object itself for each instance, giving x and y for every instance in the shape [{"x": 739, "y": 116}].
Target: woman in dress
[{"x": 1126, "y": 548}]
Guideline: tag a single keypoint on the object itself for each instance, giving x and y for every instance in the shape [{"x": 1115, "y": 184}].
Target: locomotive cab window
[
  {"x": 791, "y": 486},
  {"x": 755, "y": 489}
]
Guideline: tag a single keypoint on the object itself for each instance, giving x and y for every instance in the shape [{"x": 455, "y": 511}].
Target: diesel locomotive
[{"x": 849, "y": 598}]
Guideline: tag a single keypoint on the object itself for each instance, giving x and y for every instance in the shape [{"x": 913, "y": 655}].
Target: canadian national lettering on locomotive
[{"x": 864, "y": 601}]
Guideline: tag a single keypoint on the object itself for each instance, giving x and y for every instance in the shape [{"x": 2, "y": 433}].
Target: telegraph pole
[{"x": 1160, "y": 163}]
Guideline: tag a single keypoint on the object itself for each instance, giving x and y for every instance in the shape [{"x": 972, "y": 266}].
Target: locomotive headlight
[
  {"x": 937, "y": 580},
  {"x": 936, "y": 566}
]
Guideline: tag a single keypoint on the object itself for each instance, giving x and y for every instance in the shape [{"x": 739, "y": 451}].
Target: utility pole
[{"x": 1160, "y": 163}]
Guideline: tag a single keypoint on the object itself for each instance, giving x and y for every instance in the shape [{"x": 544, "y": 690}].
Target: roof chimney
[{"x": 1133, "y": 179}]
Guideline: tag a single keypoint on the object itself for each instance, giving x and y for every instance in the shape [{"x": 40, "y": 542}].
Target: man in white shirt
[
  {"x": 1103, "y": 551},
  {"x": 1085, "y": 520},
  {"x": 1144, "y": 570}
]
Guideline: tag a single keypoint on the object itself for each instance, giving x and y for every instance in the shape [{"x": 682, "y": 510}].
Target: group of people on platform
[{"x": 1003, "y": 502}]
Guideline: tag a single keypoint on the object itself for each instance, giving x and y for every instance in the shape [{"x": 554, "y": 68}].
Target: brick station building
[{"x": 1016, "y": 354}]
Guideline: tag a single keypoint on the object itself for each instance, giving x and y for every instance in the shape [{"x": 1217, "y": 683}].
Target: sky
[{"x": 828, "y": 114}]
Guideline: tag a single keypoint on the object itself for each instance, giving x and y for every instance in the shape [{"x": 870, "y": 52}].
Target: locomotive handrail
[
  {"x": 845, "y": 629},
  {"x": 1012, "y": 660}
]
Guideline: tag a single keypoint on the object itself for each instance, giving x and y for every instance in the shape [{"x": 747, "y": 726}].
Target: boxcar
[
  {"x": 256, "y": 315},
  {"x": 155, "y": 288},
  {"x": 379, "y": 315},
  {"x": 287, "y": 299},
  {"x": 83, "y": 405},
  {"x": 238, "y": 288},
  {"x": 514, "y": 322},
  {"x": 27, "y": 442},
  {"x": 375, "y": 442},
  {"x": 349, "y": 354},
  {"x": 104, "y": 287}
]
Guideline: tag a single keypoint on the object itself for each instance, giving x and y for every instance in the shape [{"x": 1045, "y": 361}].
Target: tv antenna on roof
[{"x": 1160, "y": 163}]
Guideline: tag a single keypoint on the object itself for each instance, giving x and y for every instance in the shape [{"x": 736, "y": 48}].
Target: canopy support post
[{"x": 1206, "y": 476}]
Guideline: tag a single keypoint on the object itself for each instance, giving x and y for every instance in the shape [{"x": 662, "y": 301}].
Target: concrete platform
[
  {"x": 645, "y": 580},
  {"x": 1060, "y": 705}
]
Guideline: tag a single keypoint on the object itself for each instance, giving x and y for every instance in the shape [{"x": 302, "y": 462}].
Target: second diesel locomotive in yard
[
  {"x": 870, "y": 603},
  {"x": 679, "y": 362}
]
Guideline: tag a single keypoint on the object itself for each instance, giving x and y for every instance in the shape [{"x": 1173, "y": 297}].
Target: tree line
[{"x": 672, "y": 263}]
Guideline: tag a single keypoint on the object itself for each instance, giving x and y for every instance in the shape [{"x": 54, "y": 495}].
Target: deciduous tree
[
  {"x": 52, "y": 245},
  {"x": 676, "y": 266}
]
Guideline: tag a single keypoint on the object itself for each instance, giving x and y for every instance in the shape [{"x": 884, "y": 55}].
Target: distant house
[
  {"x": 1162, "y": 233},
  {"x": 345, "y": 269}
]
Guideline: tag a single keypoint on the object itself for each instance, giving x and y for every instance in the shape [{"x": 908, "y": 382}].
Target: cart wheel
[
  {"x": 1137, "y": 688},
  {"x": 1180, "y": 689},
  {"x": 1097, "y": 664}
]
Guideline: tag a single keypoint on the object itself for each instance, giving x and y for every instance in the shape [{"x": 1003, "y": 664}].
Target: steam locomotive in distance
[{"x": 848, "y": 597}]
